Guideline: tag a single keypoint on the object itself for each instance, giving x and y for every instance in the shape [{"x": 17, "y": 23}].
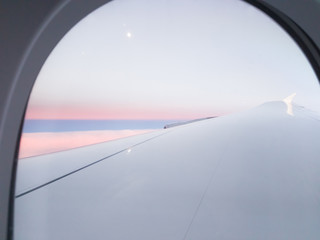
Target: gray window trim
[{"x": 29, "y": 32}]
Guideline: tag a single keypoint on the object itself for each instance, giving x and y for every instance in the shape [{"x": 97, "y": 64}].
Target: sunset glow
[
  {"x": 75, "y": 112},
  {"x": 33, "y": 144}
]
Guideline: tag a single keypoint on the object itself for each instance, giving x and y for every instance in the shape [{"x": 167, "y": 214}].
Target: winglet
[{"x": 288, "y": 101}]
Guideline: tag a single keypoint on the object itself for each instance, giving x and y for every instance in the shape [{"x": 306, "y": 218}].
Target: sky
[
  {"x": 34, "y": 144},
  {"x": 171, "y": 59}
]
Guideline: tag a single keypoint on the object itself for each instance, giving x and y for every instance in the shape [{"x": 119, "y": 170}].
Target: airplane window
[{"x": 171, "y": 120}]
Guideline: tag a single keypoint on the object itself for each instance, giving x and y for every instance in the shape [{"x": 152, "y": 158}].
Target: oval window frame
[{"x": 56, "y": 21}]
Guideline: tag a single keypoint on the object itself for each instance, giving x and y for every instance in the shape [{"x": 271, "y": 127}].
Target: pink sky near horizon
[
  {"x": 34, "y": 144},
  {"x": 100, "y": 113}
]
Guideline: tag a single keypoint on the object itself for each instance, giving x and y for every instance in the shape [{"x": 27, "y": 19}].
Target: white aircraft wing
[{"x": 252, "y": 175}]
